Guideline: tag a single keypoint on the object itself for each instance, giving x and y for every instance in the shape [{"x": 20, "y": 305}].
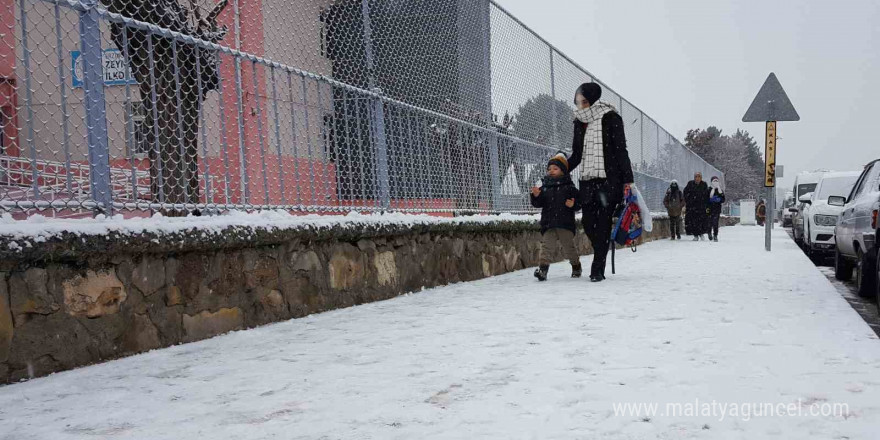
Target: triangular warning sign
[{"x": 771, "y": 104}]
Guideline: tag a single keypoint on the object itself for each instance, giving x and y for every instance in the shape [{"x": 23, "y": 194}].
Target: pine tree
[
  {"x": 534, "y": 121},
  {"x": 704, "y": 142}
]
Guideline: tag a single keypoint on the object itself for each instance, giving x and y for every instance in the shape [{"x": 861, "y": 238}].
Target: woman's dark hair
[{"x": 590, "y": 91}]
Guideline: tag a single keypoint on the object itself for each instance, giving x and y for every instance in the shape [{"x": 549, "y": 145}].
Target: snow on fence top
[
  {"x": 39, "y": 229},
  {"x": 59, "y": 238},
  {"x": 18, "y": 237}
]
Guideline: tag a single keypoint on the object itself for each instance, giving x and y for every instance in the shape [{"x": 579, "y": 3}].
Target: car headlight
[{"x": 825, "y": 220}]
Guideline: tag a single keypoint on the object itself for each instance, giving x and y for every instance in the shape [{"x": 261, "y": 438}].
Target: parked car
[
  {"x": 804, "y": 184},
  {"x": 788, "y": 208},
  {"x": 856, "y": 232},
  {"x": 820, "y": 218}
]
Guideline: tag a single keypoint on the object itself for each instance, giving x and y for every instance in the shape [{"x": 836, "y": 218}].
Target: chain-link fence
[{"x": 439, "y": 106}]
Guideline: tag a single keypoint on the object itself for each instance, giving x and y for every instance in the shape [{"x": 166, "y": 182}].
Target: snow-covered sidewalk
[{"x": 683, "y": 323}]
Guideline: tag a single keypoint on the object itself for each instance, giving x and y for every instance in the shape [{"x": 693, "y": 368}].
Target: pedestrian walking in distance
[
  {"x": 674, "y": 202},
  {"x": 599, "y": 148},
  {"x": 696, "y": 201},
  {"x": 761, "y": 213},
  {"x": 558, "y": 199},
  {"x": 716, "y": 199}
]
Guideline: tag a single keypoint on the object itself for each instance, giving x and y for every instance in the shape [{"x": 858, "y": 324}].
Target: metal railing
[{"x": 317, "y": 106}]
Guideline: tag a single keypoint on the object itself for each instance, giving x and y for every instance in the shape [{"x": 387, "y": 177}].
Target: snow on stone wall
[{"x": 78, "y": 292}]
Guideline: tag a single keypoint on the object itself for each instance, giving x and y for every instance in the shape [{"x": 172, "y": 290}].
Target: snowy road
[
  {"x": 867, "y": 308},
  {"x": 506, "y": 358}
]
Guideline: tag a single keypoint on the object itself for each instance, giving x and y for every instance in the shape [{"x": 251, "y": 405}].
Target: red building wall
[
  {"x": 307, "y": 181},
  {"x": 8, "y": 101}
]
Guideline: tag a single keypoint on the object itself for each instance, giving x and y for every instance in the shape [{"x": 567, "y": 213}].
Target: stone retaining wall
[{"x": 72, "y": 301}]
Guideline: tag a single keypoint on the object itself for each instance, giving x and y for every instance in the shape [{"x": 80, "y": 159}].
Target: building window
[{"x": 136, "y": 142}]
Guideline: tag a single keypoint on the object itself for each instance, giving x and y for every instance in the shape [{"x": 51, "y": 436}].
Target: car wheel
[
  {"x": 842, "y": 267},
  {"x": 808, "y": 249},
  {"x": 864, "y": 275},
  {"x": 877, "y": 279},
  {"x": 808, "y": 245}
]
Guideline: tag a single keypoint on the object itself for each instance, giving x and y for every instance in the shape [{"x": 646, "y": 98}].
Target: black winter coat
[
  {"x": 618, "y": 167},
  {"x": 554, "y": 213},
  {"x": 696, "y": 197}
]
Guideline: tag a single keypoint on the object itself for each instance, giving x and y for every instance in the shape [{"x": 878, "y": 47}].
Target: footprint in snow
[{"x": 442, "y": 398}]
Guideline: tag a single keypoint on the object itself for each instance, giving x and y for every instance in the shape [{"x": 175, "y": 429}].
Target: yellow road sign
[{"x": 770, "y": 156}]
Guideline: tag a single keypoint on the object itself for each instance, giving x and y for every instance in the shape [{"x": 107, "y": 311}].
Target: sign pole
[
  {"x": 770, "y": 106},
  {"x": 769, "y": 180}
]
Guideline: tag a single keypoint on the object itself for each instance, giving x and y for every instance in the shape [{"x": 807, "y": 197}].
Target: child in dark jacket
[{"x": 558, "y": 200}]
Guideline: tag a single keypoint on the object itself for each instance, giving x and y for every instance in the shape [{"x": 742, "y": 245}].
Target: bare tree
[
  {"x": 736, "y": 156},
  {"x": 173, "y": 78}
]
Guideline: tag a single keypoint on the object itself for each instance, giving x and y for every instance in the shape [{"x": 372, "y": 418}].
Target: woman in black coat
[
  {"x": 696, "y": 199},
  {"x": 599, "y": 147}
]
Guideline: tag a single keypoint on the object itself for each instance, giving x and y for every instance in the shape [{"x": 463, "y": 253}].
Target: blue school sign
[{"x": 115, "y": 69}]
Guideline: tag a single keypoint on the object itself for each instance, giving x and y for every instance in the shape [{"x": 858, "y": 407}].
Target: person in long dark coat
[
  {"x": 716, "y": 199},
  {"x": 599, "y": 147},
  {"x": 761, "y": 213},
  {"x": 674, "y": 202},
  {"x": 696, "y": 199}
]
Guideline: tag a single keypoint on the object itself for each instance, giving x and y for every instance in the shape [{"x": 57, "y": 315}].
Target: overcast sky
[{"x": 695, "y": 63}]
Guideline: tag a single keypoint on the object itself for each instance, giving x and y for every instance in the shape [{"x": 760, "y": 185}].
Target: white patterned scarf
[
  {"x": 716, "y": 189},
  {"x": 593, "y": 163}
]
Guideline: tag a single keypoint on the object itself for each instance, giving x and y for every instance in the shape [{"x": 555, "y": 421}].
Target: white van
[{"x": 804, "y": 184}]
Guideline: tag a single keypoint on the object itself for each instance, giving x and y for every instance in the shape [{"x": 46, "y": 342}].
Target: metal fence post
[
  {"x": 553, "y": 114},
  {"x": 644, "y": 166},
  {"x": 495, "y": 174},
  {"x": 377, "y": 119},
  {"x": 29, "y": 100},
  {"x": 96, "y": 117},
  {"x": 659, "y": 157},
  {"x": 377, "y": 113}
]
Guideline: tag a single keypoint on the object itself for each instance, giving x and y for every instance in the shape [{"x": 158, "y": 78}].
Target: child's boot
[
  {"x": 541, "y": 273},
  {"x": 576, "y": 270}
]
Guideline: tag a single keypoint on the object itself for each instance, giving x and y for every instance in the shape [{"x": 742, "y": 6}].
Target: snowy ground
[{"x": 507, "y": 358}]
